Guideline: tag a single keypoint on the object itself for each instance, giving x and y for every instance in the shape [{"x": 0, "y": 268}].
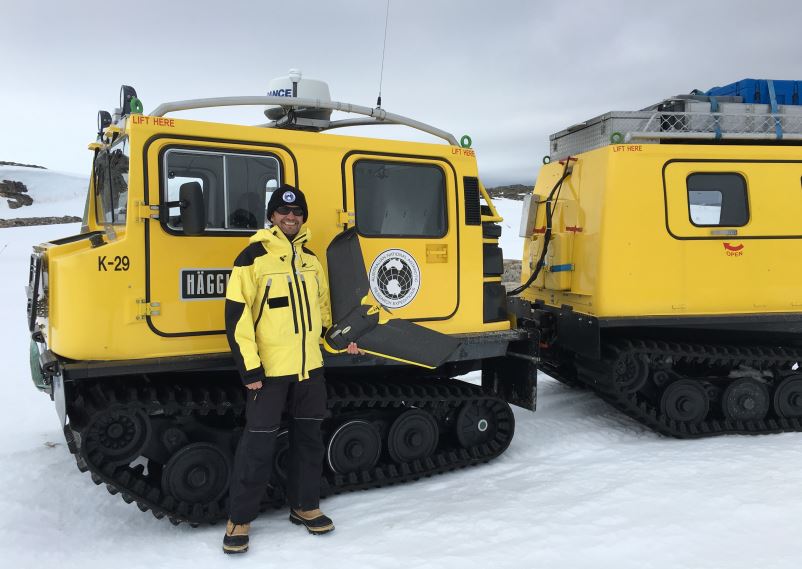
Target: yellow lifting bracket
[
  {"x": 111, "y": 130},
  {"x": 494, "y": 216}
]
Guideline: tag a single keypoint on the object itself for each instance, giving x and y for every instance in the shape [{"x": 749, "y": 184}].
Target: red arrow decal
[{"x": 729, "y": 247}]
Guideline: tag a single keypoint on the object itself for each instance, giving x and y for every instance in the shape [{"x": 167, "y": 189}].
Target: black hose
[{"x": 547, "y": 235}]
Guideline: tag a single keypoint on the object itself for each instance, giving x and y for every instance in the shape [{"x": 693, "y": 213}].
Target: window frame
[
  {"x": 723, "y": 192},
  {"x": 164, "y": 154},
  {"x": 443, "y": 201}
]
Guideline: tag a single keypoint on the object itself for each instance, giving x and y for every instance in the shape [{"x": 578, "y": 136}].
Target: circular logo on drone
[
  {"x": 394, "y": 278},
  {"x": 288, "y": 197}
]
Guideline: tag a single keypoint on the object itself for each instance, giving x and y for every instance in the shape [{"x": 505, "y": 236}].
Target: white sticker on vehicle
[{"x": 394, "y": 278}]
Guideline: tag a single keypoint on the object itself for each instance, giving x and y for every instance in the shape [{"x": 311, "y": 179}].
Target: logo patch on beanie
[{"x": 288, "y": 197}]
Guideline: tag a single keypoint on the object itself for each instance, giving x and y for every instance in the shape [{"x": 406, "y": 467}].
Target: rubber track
[
  {"x": 343, "y": 397},
  {"x": 598, "y": 376}
]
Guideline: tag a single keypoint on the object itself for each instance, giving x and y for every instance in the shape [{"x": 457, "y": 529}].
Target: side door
[
  {"x": 736, "y": 227},
  {"x": 406, "y": 214},
  {"x": 187, "y": 275},
  {"x": 733, "y": 199}
]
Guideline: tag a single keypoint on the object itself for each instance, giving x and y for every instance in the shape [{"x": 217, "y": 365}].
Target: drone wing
[
  {"x": 348, "y": 281},
  {"x": 359, "y": 318}
]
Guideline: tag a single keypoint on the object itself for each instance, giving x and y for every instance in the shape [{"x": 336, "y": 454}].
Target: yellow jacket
[{"x": 277, "y": 303}]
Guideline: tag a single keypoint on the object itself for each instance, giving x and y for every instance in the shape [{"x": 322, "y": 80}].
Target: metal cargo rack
[{"x": 697, "y": 122}]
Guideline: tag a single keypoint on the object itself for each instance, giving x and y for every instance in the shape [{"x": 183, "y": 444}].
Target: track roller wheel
[
  {"x": 354, "y": 446},
  {"x": 173, "y": 439},
  {"x": 685, "y": 400},
  {"x": 745, "y": 399},
  {"x": 630, "y": 373},
  {"x": 199, "y": 473},
  {"x": 119, "y": 434},
  {"x": 413, "y": 436},
  {"x": 476, "y": 424},
  {"x": 788, "y": 397}
]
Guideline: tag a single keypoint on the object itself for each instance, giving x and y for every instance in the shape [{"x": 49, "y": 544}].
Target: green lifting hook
[{"x": 136, "y": 106}]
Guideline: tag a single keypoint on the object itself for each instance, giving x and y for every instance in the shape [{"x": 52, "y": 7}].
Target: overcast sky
[{"x": 508, "y": 73}]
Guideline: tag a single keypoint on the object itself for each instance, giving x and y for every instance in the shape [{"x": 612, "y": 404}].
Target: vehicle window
[
  {"x": 111, "y": 183},
  {"x": 705, "y": 206},
  {"x": 399, "y": 199},
  {"x": 249, "y": 181},
  {"x": 717, "y": 199},
  {"x": 235, "y": 186}
]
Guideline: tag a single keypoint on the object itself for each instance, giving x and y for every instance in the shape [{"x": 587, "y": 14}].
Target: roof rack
[
  {"x": 695, "y": 122},
  {"x": 375, "y": 115}
]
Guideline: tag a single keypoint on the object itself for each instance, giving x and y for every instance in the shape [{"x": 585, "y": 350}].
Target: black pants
[{"x": 253, "y": 462}]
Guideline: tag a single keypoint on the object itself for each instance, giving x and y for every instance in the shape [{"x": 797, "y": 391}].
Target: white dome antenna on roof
[{"x": 294, "y": 85}]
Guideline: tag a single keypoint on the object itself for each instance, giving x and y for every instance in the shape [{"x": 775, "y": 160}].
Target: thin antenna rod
[{"x": 384, "y": 49}]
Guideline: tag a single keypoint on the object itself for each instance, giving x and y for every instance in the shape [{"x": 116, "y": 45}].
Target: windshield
[{"x": 111, "y": 183}]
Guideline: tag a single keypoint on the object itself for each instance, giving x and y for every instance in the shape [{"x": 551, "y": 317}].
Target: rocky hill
[
  {"x": 24, "y": 165},
  {"x": 17, "y": 196},
  {"x": 33, "y": 195},
  {"x": 16, "y": 193},
  {"x": 27, "y": 221},
  {"x": 512, "y": 192}
]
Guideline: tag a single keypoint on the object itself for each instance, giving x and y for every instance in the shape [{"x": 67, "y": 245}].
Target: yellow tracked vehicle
[
  {"x": 660, "y": 262},
  {"x": 127, "y": 318}
]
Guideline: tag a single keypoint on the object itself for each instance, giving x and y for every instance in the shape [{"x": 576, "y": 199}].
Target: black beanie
[{"x": 287, "y": 195}]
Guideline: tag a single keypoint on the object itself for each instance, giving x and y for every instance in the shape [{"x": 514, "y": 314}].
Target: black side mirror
[
  {"x": 193, "y": 209},
  {"x": 103, "y": 121},
  {"x": 126, "y": 94}
]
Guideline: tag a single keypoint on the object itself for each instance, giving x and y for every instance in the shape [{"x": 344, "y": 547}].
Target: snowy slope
[
  {"x": 511, "y": 244},
  {"x": 579, "y": 487},
  {"x": 53, "y": 193}
]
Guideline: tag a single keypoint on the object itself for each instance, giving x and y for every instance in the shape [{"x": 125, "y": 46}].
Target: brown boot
[
  {"x": 314, "y": 521},
  {"x": 236, "y": 538}
]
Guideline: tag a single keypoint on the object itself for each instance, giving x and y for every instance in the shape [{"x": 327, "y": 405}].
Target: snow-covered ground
[
  {"x": 580, "y": 486},
  {"x": 53, "y": 193}
]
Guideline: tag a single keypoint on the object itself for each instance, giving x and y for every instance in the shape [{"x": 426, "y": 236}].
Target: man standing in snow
[{"x": 277, "y": 304}]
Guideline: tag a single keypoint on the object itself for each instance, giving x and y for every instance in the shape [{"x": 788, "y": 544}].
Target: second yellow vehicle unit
[{"x": 660, "y": 264}]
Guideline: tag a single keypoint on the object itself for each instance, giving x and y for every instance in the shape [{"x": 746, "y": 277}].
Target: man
[{"x": 277, "y": 305}]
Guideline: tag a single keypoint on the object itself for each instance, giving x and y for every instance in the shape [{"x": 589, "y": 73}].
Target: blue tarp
[{"x": 757, "y": 91}]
